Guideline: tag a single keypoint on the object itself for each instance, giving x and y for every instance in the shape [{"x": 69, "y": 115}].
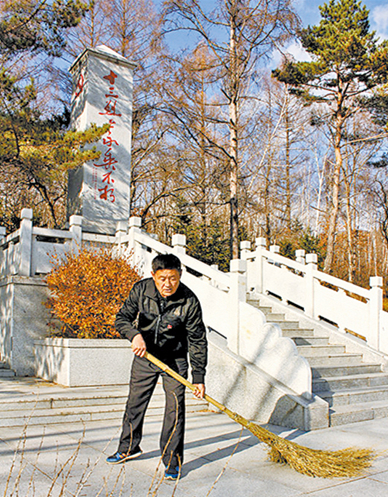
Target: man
[{"x": 168, "y": 325}]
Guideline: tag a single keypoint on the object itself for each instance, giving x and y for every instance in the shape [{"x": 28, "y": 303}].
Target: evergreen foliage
[
  {"x": 345, "y": 53},
  {"x": 36, "y": 150},
  {"x": 36, "y": 26}
]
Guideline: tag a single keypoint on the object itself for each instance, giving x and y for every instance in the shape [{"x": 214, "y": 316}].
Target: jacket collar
[{"x": 152, "y": 292}]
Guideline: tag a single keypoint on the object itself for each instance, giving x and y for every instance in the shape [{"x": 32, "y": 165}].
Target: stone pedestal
[
  {"x": 99, "y": 191},
  {"x": 24, "y": 319}
]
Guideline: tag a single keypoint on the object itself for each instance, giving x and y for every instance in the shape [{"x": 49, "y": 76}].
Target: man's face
[{"x": 166, "y": 281}]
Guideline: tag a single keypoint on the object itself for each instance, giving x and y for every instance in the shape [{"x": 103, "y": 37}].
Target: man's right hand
[{"x": 138, "y": 345}]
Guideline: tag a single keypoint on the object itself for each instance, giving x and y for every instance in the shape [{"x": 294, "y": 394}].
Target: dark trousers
[{"x": 144, "y": 377}]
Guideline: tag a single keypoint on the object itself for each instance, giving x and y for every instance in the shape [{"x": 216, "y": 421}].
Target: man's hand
[
  {"x": 138, "y": 345},
  {"x": 199, "y": 391}
]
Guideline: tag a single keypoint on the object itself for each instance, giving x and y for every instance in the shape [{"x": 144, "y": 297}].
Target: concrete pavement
[{"x": 220, "y": 460}]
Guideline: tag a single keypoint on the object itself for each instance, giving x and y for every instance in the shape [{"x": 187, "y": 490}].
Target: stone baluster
[
  {"x": 179, "y": 244},
  {"x": 25, "y": 243},
  {"x": 237, "y": 294},
  {"x": 4, "y": 254},
  {"x": 261, "y": 245},
  {"x": 300, "y": 256},
  {"x": 76, "y": 231},
  {"x": 134, "y": 227},
  {"x": 121, "y": 229},
  {"x": 245, "y": 250},
  {"x": 375, "y": 308},
  {"x": 311, "y": 261}
]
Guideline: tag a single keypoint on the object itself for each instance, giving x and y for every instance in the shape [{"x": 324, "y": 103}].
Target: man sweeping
[{"x": 162, "y": 316}]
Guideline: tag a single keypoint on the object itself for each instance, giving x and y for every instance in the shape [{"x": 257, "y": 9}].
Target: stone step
[
  {"x": 274, "y": 316},
  {"x": 338, "y": 360},
  {"x": 323, "y": 371},
  {"x": 337, "y": 383},
  {"x": 79, "y": 414},
  {"x": 321, "y": 350},
  {"x": 298, "y": 332},
  {"x": 7, "y": 373},
  {"x": 286, "y": 325},
  {"x": 355, "y": 413},
  {"x": 267, "y": 310},
  {"x": 310, "y": 340},
  {"x": 256, "y": 303},
  {"x": 355, "y": 396},
  {"x": 78, "y": 404},
  {"x": 32, "y": 402}
]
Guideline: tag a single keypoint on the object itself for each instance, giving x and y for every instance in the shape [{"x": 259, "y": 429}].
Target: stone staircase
[
  {"x": 355, "y": 390},
  {"x": 35, "y": 402}
]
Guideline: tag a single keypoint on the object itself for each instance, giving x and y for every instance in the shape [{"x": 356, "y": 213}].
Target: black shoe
[{"x": 121, "y": 457}]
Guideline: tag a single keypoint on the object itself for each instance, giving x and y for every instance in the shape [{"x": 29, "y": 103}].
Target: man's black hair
[{"x": 166, "y": 261}]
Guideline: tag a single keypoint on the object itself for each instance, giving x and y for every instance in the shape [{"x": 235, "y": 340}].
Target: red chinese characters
[{"x": 107, "y": 191}]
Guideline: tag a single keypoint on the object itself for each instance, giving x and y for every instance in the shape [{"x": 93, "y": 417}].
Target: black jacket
[{"x": 170, "y": 334}]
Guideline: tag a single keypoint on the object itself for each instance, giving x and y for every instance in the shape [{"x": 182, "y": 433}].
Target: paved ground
[{"x": 221, "y": 460}]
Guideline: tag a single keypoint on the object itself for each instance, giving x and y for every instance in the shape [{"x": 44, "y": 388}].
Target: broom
[{"x": 311, "y": 462}]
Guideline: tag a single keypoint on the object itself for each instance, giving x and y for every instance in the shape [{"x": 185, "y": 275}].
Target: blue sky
[
  {"x": 308, "y": 10},
  {"x": 378, "y": 13},
  {"x": 310, "y": 15}
]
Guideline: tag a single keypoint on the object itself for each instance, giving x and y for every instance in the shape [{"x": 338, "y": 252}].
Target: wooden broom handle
[{"x": 185, "y": 382}]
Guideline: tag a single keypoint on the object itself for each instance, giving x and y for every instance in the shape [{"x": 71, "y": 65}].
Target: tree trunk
[
  {"x": 333, "y": 214},
  {"x": 233, "y": 142},
  {"x": 288, "y": 168},
  {"x": 349, "y": 232}
]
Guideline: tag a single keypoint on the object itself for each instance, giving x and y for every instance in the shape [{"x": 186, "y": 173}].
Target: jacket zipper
[{"x": 157, "y": 329}]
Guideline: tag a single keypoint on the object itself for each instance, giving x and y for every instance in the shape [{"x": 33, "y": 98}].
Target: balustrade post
[
  {"x": 309, "y": 307},
  {"x": 3, "y": 254},
  {"x": 25, "y": 243},
  {"x": 178, "y": 243},
  {"x": 245, "y": 250},
  {"x": 300, "y": 256},
  {"x": 134, "y": 227},
  {"x": 237, "y": 294},
  {"x": 76, "y": 231},
  {"x": 375, "y": 308},
  {"x": 121, "y": 229},
  {"x": 275, "y": 249},
  {"x": 261, "y": 245}
]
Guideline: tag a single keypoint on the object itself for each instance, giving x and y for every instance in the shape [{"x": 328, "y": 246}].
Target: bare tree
[{"x": 238, "y": 34}]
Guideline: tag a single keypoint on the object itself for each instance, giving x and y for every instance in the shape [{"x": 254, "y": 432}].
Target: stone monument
[{"x": 99, "y": 191}]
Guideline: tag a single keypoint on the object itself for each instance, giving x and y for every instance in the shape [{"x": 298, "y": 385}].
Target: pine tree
[
  {"x": 36, "y": 150},
  {"x": 348, "y": 64}
]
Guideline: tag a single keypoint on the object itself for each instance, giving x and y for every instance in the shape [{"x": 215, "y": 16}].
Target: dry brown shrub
[{"x": 87, "y": 290}]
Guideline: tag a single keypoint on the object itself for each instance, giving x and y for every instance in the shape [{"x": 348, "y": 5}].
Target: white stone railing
[
  {"x": 28, "y": 252},
  {"x": 320, "y": 296}
]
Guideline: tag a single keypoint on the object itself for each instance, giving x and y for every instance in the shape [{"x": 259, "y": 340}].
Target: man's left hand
[{"x": 199, "y": 391}]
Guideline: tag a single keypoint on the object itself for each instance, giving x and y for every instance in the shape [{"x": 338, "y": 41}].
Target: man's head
[{"x": 166, "y": 273}]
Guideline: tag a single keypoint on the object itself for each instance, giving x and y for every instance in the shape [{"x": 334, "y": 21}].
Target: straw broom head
[{"x": 311, "y": 462}]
